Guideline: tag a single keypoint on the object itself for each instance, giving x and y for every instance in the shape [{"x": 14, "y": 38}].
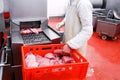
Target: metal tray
[{"x": 31, "y": 39}]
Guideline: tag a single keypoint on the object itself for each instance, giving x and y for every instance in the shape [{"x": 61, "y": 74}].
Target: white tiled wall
[
  {"x": 57, "y": 7},
  {"x": 54, "y": 7}
]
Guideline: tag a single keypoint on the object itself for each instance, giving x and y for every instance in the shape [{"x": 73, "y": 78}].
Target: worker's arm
[
  {"x": 61, "y": 24},
  {"x": 85, "y": 14}
]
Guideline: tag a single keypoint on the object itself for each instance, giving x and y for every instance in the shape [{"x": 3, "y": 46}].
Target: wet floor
[{"x": 102, "y": 55}]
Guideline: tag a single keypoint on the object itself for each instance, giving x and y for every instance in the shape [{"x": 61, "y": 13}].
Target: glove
[
  {"x": 61, "y": 24},
  {"x": 58, "y": 26},
  {"x": 66, "y": 49}
]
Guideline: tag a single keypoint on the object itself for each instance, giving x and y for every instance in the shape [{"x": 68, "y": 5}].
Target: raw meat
[
  {"x": 48, "y": 59},
  {"x": 31, "y": 60},
  {"x": 50, "y": 56},
  {"x": 30, "y": 30},
  {"x": 68, "y": 59}
]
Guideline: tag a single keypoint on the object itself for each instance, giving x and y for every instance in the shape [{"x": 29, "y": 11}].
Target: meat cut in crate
[{"x": 48, "y": 59}]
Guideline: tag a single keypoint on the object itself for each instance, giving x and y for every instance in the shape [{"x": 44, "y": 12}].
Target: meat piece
[
  {"x": 31, "y": 64},
  {"x": 38, "y": 58},
  {"x": 44, "y": 62},
  {"x": 58, "y": 53},
  {"x": 50, "y": 56},
  {"x": 60, "y": 61},
  {"x": 30, "y": 58},
  {"x": 30, "y": 30},
  {"x": 68, "y": 59},
  {"x": 39, "y": 29},
  {"x": 53, "y": 62},
  {"x": 25, "y": 31},
  {"x": 35, "y": 30},
  {"x": 22, "y": 31}
]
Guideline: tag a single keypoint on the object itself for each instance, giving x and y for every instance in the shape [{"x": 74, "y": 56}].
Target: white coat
[{"x": 78, "y": 25}]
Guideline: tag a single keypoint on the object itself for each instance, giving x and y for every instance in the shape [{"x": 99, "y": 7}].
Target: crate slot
[{"x": 48, "y": 48}]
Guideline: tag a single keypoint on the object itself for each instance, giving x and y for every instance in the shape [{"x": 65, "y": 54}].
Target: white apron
[{"x": 73, "y": 25}]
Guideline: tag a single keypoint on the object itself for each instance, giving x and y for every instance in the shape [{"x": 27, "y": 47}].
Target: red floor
[{"x": 103, "y": 56}]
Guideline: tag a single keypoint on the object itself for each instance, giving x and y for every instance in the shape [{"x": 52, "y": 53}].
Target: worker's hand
[
  {"x": 66, "y": 50},
  {"x": 58, "y": 26}
]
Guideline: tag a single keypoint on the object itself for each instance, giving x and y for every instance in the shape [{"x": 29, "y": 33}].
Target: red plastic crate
[{"x": 70, "y": 71}]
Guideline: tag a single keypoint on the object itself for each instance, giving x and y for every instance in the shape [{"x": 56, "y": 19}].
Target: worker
[{"x": 78, "y": 26}]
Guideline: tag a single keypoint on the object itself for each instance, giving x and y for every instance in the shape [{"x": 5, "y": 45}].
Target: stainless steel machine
[
  {"x": 22, "y": 14},
  {"x": 99, "y": 3},
  {"x": 106, "y": 21}
]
